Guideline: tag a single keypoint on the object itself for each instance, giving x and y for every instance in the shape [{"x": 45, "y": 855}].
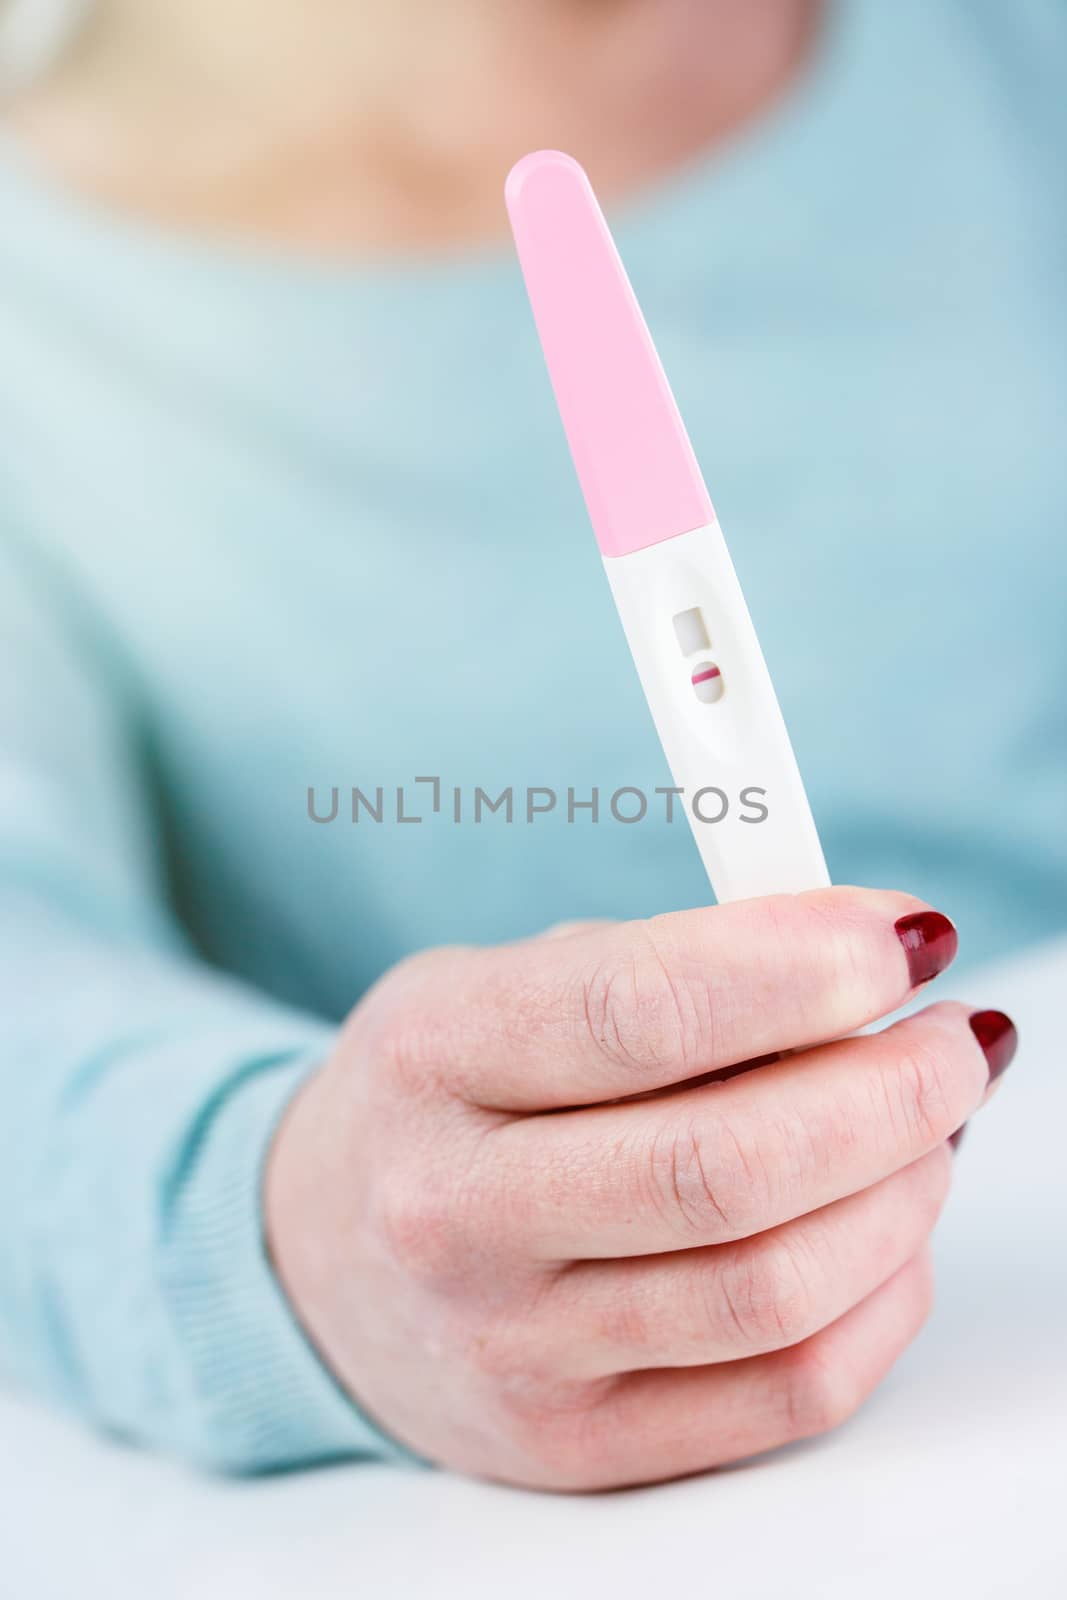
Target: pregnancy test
[{"x": 685, "y": 618}]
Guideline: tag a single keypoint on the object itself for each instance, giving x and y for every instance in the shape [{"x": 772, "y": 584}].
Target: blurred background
[
  {"x": 266, "y": 339},
  {"x": 285, "y": 504}
]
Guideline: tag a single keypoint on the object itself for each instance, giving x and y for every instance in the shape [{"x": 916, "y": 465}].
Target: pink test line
[{"x": 634, "y": 461}]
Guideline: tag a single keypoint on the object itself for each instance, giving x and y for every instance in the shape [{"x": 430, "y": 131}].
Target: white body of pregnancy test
[{"x": 686, "y": 622}]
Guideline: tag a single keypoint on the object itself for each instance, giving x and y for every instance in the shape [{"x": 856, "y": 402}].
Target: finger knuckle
[
  {"x": 644, "y": 1014},
  {"x": 416, "y": 1227},
  {"x": 699, "y": 1195},
  {"x": 768, "y": 1298},
  {"x": 501, "y": 1351},
  {"x": 821, "y": 1391},
  {"x": 400, "y": 1049},
  {"x": 624, "y": 1322},
  {"x": 408, "y": 1025},
  {"x": 919, "y": 1097},
  {"x": 559, "y": 1435},
  {"x": 520, "y": 1335}
]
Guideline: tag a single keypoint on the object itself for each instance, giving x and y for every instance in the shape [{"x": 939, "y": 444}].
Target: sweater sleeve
[{"x": 139, "y": 1089}]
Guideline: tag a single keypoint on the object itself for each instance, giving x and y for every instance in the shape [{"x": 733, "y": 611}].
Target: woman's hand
[{"x": 534, "y": 1249}]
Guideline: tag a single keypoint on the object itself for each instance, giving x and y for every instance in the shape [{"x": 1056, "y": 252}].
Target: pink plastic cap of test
[{"x": 633, "y": 457}]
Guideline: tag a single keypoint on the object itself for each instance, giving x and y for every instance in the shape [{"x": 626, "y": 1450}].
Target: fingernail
[
  {"x": 956, "y": 1139},
  {"x": 996, "y": 1034},
  {"x": 930, "y": 943}
]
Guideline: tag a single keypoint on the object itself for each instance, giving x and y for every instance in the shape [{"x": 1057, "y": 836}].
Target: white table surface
[{"x": 951, "y": 1483}]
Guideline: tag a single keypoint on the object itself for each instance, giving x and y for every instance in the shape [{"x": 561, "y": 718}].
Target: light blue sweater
[{"x": 268, "y": 524}]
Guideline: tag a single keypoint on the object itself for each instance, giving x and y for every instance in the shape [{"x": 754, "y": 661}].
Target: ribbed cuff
[{"x": 265, "y": 1401}]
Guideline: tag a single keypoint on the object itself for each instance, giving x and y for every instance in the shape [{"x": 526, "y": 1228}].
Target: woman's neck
[{"x": 344, "y": 125}]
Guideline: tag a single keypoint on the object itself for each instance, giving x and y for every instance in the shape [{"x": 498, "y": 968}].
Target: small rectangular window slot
[{"x": 690, "y": 631}]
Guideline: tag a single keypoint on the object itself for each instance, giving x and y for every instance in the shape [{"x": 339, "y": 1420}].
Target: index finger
[{"x": 636, "y": 1006}]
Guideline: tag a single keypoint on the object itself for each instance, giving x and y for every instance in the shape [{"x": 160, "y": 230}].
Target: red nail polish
[
  {"x": 930, "y": 943},
  {"x": 997, "y": 1035}
]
